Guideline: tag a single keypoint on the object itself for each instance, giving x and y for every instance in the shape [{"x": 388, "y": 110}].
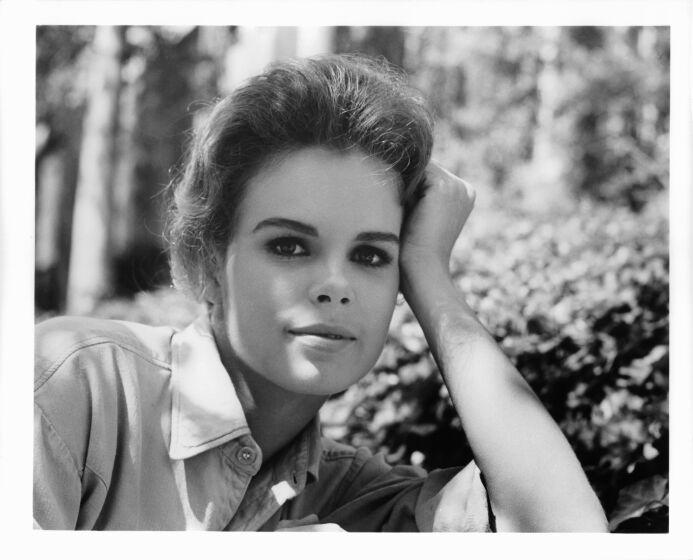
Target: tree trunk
[
  {"x": 256, "y": 47},
  {"x": 545, "y": 184},
  {"x": 314, "y": 40},
  {"x": 387, "y": 41},
  {"x": 253, "y": 50},
  {"x": 649, "y": 114},
  {"x": 52, "y": 196},
  {"x": 89, "y": 278},
  {"x": 124, "y": 185}
]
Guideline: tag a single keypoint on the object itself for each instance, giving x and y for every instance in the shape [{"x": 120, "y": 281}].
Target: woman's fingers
[{"x": 439, "y": 216}]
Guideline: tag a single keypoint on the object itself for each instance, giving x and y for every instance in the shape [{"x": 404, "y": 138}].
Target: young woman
[{"x": 307, "y": 203}]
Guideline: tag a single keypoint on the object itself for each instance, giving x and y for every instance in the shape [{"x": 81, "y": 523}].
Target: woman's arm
[{"x": 534, "y": 480}]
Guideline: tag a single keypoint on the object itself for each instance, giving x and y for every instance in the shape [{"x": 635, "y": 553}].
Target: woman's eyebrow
[
  {"x": 299, "y": 227},
  {"x": 378, "y": 236}
]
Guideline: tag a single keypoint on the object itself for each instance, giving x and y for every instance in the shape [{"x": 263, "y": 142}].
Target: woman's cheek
[
  {"x": 256, "y": 290},
  {"x": 267, "y": 279},
  {"x": 380, "y": 301}
]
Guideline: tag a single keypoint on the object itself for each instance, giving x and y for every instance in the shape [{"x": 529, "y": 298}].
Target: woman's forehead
[{"x": 324, "y": 185}]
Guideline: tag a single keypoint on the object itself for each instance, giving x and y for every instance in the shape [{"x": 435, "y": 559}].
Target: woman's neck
[{"x": 275, "y": 415}]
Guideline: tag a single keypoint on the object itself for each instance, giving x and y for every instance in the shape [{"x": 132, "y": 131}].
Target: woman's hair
[{"x": 340, "y": 102}]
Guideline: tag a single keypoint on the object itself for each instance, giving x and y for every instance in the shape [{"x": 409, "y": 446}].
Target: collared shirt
[{"x": 140, "y": 427}]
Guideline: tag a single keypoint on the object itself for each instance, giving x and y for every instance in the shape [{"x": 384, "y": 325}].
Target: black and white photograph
[{"x": 376, "y": 278}]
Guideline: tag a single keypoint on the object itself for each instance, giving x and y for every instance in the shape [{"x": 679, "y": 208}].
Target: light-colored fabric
[{"x": 140, "y": 427}]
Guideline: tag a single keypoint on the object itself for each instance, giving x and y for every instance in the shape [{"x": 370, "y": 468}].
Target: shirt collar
[{"x": 205, "y": 410}]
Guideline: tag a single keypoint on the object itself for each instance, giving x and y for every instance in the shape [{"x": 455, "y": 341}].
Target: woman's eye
[
  {"x": 371, "y": 256},
  {"x": 287, "y": 247}
]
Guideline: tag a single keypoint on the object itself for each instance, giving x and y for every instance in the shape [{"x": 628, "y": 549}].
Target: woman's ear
[{"x": 212, "y": 292}]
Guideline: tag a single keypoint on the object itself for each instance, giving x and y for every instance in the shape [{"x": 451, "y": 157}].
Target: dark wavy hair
[{"x": 340, "y": 102}]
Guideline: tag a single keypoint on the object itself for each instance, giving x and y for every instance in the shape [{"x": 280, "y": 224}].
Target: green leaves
[{"x": 645, "y": 496}]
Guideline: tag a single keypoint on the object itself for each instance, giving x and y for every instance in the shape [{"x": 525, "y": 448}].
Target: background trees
[{"x": 564, "y": 132}]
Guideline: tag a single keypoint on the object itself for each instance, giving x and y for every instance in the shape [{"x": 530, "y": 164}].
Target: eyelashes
[
  {"x": 291, "y": 247},
  {"x": 370, "y": 256},
  {"x": 287, "y": 247}
]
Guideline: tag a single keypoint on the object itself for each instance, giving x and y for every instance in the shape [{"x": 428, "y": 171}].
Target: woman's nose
[{"x": 332, "y": 288}]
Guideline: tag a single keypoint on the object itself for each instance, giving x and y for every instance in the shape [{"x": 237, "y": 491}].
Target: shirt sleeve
[
  {"x": 67, "y": 494},
  {"x": 454, "y": 500},
  {"x": 377, "y": 497},
  {"x": 57, "y": 483}
]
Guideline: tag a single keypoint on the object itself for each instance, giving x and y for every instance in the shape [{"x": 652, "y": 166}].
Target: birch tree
[{"x": 89, "y": 271}]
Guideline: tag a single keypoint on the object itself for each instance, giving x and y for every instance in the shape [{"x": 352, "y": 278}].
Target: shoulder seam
[
  {"x": 336, "y": 450},
  {"x": 347, "y": 481},
  {"x": 87, "y": 342},
  {"x": 337, "y": 455},
  {"x": 80, "y": 471}
]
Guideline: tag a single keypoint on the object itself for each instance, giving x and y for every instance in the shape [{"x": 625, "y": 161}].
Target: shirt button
[{"x": 246, "y": 455}]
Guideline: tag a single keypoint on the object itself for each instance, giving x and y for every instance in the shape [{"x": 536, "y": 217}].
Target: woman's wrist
[
  {"x": 434, "y": 298},
  {"x": 423, "y": 281},
  {"x": 418, "y": 271}
]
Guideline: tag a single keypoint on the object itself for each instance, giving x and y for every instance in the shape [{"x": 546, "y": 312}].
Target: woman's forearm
[{"x": 534, "y": 480}]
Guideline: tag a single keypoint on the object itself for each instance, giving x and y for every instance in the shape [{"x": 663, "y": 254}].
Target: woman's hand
[{"x": 435, "y": 223}]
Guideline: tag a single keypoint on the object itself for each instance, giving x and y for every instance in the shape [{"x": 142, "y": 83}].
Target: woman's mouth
[
  {"x": 333, "y": 332},
  {"x": 326, "y": 338}
]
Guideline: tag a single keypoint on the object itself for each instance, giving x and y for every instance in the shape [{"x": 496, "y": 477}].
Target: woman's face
[{"x": 311, "y": 275}]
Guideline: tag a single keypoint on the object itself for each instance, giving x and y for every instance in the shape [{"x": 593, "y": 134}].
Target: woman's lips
[
  {"x": 327, "y": 338},
  {"x": 323, "y": 330}
]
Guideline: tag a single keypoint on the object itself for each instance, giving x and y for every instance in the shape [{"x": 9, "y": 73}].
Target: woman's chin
[{"x": 308, "y": 378}]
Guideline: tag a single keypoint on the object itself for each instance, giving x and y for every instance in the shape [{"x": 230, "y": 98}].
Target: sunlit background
[{"x": 563, "y": 131}]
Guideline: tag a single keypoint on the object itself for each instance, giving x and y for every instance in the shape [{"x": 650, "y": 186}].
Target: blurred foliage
[
  {"x": 59, "y": 71},
  {"x": 605, "y": 91}
]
